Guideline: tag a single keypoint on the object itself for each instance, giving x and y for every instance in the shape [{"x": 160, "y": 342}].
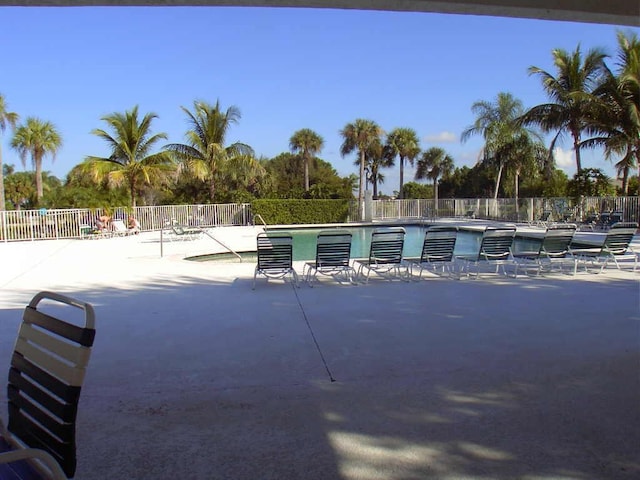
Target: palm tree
[
  {"x": 498, "y": 123},
  {"x": 243, "y": 172},
  {"x": 360, "y": 135},
  {"x": 375, "y": 160},
  {"x": 615, "y": 121},
  {"x": 36, "y": 138},
  {"x": 434, "y": 163},
  {"x": 569, "y": 110},
  {"x": 404, "y": 143},
  {"x": 11, "y": 119},
  {"x": 131, "y": 162},
  {"x": 309, "y": 144},
  {"x": 205, "y": 154},
  {"x": 527, "y": 154}
]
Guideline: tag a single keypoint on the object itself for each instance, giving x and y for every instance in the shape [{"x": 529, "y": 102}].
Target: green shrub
[{"x": 292, "y": 212}]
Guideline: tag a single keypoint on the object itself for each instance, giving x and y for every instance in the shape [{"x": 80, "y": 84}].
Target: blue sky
[{"x": 285, "y": 69}]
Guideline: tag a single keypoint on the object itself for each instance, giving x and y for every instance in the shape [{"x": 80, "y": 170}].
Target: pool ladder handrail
[
  {"x": 231, "y": 250},
  {"x": 257, "y": 215}
]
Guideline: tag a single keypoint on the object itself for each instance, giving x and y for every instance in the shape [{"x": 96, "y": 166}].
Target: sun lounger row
[{"x": 554, "y": 251}]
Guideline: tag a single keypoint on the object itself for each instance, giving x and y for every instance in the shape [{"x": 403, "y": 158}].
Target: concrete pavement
[{"x": 196, "y": 376}]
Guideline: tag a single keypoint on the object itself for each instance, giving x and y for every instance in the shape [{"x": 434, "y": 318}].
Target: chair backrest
[
  {"x": 118, "y": 226},
  {"x": 615, "y": 217},
  {"x": 177, "y": 229},
  {"x": 557, "y": 239},
  {"x": 333, "y": 249},
  {"x": 387, "y": 245},
  {"x": 275, "y": 251},
  {"x": 496, "y": 243},
  {"x": 619, "y": 237},
  {"x": 439, "y": 244},
  {"x": 46, "y": 374}
]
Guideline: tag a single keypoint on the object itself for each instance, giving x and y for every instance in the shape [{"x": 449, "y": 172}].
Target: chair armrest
[{"x": 47, "y": 464}]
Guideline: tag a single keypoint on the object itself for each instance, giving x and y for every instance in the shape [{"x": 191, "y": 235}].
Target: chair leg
[{"x": 294, "y": 277}]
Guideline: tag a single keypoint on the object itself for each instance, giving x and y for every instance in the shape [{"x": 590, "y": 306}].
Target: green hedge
[{"x": 292, "y": 212}]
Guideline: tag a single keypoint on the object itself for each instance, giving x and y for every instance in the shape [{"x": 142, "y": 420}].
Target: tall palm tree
[
  {"x": 10, "y": 119},
  {"x": 309, "y": 144},
  {"x": 434, "y": 163},
  {"x": 131, "y": 161},
  {"x": 205, "y": 152},
  {"x": 503, "y": 134},
  {"x": 568, "y": 110},
  {"x": 615, "y": 119},
  {"x": 375, "y": 160},
  {"x": 36, "y": 138},
  {"x": 359, "y": 136},
  {"x": 526, "y": 154},
  {"x": 403, "y": 143}
]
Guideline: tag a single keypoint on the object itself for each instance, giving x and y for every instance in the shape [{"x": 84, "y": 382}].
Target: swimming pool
[{"x": 304, "y": 242}]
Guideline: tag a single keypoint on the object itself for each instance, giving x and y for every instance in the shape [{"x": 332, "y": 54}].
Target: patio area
[{"x": 195, "y": 376}]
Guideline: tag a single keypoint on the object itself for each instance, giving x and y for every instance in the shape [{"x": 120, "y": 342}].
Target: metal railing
[
  {"x": 21, "y": 225},
  {"x": 508, "y": 209},
  {"x": 43, "y": 224}
]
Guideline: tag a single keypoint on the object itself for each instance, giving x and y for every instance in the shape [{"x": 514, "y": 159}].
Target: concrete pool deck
[{"x": 195, "y": 376}]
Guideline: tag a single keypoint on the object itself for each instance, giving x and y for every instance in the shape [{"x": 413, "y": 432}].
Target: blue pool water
[{"x": 304, "y": 241}]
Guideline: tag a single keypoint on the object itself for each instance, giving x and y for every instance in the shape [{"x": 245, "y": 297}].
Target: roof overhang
[{"x": 615, "y": 12}]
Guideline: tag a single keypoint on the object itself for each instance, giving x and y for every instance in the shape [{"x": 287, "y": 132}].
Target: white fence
[
  {"x": 20, "y": 225},
  {"x": 56, "y": 224},
  {"x": 507, "y": 209}
]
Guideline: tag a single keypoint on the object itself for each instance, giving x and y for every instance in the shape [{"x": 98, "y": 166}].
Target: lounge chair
[
  {"x": 437, "y": 251},
  {"x": 385, "y": 255},
  {"x": 494, "y": 251},
  {"x": 46, "y": 374},
  {"x": 275, "y": 257},
  {"x": 615, "y": 246},
  {"x": 183, "y": 232},
  {"x": 118, "y": 228},
  {"x": 553, "y": 251},
  {"x": 544, "y": 219},
  {"x": 333, "y": 257}
]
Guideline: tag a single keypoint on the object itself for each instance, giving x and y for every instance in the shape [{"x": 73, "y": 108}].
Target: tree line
[{"x": 595, "y": 103}]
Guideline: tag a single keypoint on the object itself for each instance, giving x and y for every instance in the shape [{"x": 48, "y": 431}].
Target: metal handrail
[
  {"x": 231, "y": 250},
  {"x": 257, "y": 215}
]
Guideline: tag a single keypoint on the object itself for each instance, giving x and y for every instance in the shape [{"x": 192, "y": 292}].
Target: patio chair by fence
[
  {"x": 333, "y": 257},
  {"x": 385, "y": 255},
  {"x": 45, "y": 377},
  {"x": 614, "y": 248},
  {"x": 495, "y": 251},
  {"x": 437, "y": 251},
  {"x": 275, "y": 257}
]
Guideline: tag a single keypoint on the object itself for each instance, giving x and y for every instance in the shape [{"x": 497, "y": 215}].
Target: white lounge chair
[
  {"x": 437, "y": 251},
  {"x": 333, "y": 257},
  {"x": 614, "y": 248},
  {"x": 553, "y": 251},
  {"x": 495, "y": 251},
  {"x": 385, "y": 255},
  {"x": 275, "y": 257}
]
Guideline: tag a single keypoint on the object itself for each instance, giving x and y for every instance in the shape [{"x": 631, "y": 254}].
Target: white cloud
[
  {"x": 442, "y": 137},
  {"x": 467, "y": 159},
  {"x": 565, "y": 160}
]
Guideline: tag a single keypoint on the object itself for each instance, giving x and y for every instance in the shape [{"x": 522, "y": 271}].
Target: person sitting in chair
[
  {"x": 103, "y": 223},
  {"x": 133, "y": 225}
]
